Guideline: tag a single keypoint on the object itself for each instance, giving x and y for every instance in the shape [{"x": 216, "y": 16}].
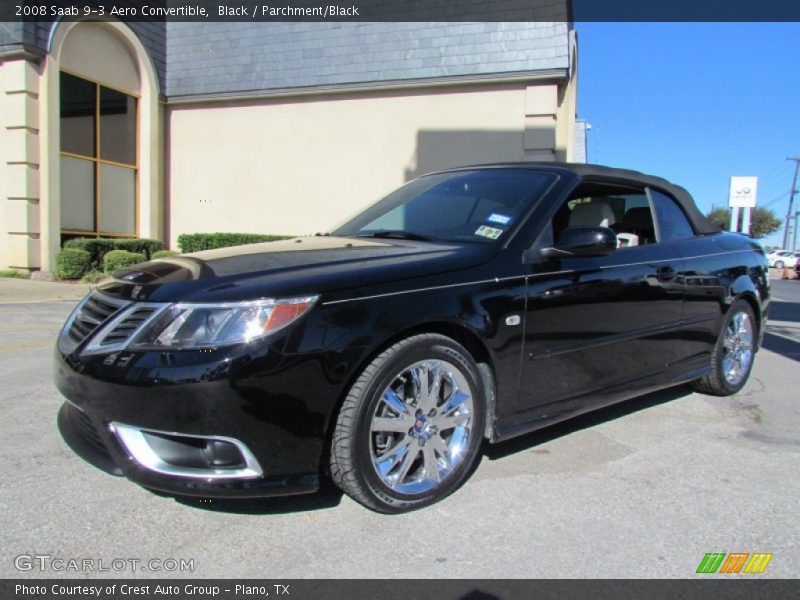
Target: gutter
[
  {"x": 372, "y": 86},
  {"x": 21, "y": 52}
]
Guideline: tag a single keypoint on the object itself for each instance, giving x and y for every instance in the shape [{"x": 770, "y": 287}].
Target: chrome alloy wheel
[
  {"x": 737, "y": 343},
  {"x": 421, "y": 426}
]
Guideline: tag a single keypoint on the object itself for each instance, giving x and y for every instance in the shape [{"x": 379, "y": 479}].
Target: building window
[{"x": 98, "y": 160}]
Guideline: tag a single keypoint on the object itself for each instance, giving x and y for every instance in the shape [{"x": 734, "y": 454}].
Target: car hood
[{"x": 299, "y": 266}]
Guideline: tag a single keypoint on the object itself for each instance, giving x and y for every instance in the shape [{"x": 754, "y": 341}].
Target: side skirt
[{"x": 544, "y": 416}]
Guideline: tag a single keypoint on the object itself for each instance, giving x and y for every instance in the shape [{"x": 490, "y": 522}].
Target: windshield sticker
[
  {"x": 498, "y": 218},
  {"x": 489, "y": 232}
]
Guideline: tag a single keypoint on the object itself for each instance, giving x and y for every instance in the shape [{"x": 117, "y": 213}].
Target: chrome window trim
[
  {"x": 133, "y": 441},
  {"x": 532, "y": 276}
]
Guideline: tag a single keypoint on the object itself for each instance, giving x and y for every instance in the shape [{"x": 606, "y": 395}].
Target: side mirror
[{"x": 582, "y": 241}]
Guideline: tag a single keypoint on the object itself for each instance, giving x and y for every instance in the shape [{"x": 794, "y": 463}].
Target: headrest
[
  {"x": 638, "y": 218},
  {"x": 592, "y": 213}
]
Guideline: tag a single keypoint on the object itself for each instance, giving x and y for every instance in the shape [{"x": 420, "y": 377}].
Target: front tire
[
  {"x": 733, "y": 354},
  {"x": 410, "y": 429},
  {"x": 778, "y": 264}
]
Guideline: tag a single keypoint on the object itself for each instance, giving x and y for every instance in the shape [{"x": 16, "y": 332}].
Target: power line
[
  {"x": 775, "y": 199},
  {"x": 773, "y": 184},
  {"x": 779, "y": 170}
]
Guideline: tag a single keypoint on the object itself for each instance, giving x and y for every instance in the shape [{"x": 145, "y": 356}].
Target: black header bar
[
  {"x": 265, "y": 11},
  {"x": 738, "y": 588}
]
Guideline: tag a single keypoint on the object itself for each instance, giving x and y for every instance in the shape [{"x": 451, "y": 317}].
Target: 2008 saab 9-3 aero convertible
[{"x": 477, "y": 303}]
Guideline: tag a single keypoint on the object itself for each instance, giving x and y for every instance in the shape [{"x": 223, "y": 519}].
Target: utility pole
[{"x": 789, "y": 211}]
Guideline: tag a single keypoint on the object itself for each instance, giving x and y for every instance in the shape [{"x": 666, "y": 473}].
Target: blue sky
[{"x": 695, "y": 103}]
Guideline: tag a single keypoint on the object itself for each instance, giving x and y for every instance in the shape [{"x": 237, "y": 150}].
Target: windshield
[{"x": 473, "y": 206}]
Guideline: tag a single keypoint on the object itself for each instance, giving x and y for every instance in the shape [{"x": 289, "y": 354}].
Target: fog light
[
  {"x": 208, "y": 457},
  {"x": 219, "y": 453}
]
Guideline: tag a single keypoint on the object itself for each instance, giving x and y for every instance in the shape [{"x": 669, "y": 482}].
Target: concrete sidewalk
[{"x": 15, "y": 291}]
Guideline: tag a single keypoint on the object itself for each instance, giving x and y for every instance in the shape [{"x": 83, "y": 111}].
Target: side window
[
  {"x": 672, "y": 223},
  {"x": 625, "y": 210}
]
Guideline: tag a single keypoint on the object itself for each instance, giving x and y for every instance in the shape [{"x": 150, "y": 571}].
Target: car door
[
  {"x": 597, "y": 322},
  {"x": 704, "y": 275}
]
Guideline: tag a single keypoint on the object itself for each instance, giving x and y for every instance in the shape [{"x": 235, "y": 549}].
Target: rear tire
[
  {"x": 411, "y": 427},
  {"x": 733, "y": 354},
  {"x": 778, "y": 264}
]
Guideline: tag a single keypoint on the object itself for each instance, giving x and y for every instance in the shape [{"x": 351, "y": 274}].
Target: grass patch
[{"x": 14, "y": 273}]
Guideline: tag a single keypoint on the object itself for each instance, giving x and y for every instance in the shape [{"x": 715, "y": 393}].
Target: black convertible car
[{"x": 474, "y": 304}]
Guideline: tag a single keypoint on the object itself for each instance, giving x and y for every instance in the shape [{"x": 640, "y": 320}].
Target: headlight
[{"x": 202, "y": 325}]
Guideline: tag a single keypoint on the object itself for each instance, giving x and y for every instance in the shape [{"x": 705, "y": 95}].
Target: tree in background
[{"x": 762, "y": 220}]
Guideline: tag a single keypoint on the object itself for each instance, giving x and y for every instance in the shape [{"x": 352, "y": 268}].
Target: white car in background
[{"x": 782, "y": 258}]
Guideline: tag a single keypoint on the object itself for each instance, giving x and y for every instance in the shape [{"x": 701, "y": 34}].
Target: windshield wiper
[{"x": 399, "y": 234}]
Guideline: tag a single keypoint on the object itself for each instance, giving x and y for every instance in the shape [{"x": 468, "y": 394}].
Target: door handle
[{"x": 665, "y": 274}]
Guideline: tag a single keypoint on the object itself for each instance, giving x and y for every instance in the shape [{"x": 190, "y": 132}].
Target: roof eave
[{"x": 396, "y": 84}]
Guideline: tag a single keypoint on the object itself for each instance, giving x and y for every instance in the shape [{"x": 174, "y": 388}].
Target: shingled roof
[
  {"x": 213, "y": 58},
  {"x": 199, "y": 59}
]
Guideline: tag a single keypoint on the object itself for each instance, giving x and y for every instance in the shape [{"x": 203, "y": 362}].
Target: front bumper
[{"x": 276, "y": 406}]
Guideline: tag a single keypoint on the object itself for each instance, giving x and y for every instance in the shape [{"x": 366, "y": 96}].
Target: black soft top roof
[{"x": 588, "y": 171}]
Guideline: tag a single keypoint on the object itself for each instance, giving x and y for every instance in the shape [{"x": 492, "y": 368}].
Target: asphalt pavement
[
  {"x": 642, "y": 489},
  {"x": 23, "y": 291}
]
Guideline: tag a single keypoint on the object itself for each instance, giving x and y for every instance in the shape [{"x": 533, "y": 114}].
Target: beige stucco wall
[
  {"x": 4, "y": 257},
  {"x": 301, "y": 165},
  {"x": 568, "y": 109},
  {"x": 19, "y": 165}
]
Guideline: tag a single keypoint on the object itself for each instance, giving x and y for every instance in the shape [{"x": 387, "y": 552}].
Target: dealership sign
[{"x": 743, "y": 192}]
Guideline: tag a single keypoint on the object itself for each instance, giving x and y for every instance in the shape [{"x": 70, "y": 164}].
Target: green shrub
[
  {"x": 194, "y": 242},
  {"x": 98, "y": 247},
  {"x": 15, "y": 273},
  {"x": 119, "y": 259},
  {"x": 163, "y": 254},
  {"x": 93, "y": 277},
  {"x": 72, "y": 263}
]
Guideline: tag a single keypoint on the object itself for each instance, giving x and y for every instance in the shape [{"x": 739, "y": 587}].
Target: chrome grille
[
  {"x": 121, "y": 331},
  {"x": 92, "y": 312},
  {"x": 121, "y": 328}
]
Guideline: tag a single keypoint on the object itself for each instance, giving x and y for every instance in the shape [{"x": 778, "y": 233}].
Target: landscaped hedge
[
  {"x": 93, "y": 277},
  {"x": 163, "y": 254},
  {"x": 98, "y": 247},
  {"x": 119, "y": 259},
  {"x": 72, "y": 263},
  {"x": 194, "y": 242}
]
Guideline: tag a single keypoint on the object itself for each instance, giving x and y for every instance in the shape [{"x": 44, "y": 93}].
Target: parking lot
[{"x": 643, "y": 489}]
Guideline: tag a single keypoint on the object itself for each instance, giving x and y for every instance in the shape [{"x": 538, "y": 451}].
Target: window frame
[
  {"x": 615, "y": 187},
  {"x": 96, "y": 161},
  {"x": 657, "y": 222}
]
